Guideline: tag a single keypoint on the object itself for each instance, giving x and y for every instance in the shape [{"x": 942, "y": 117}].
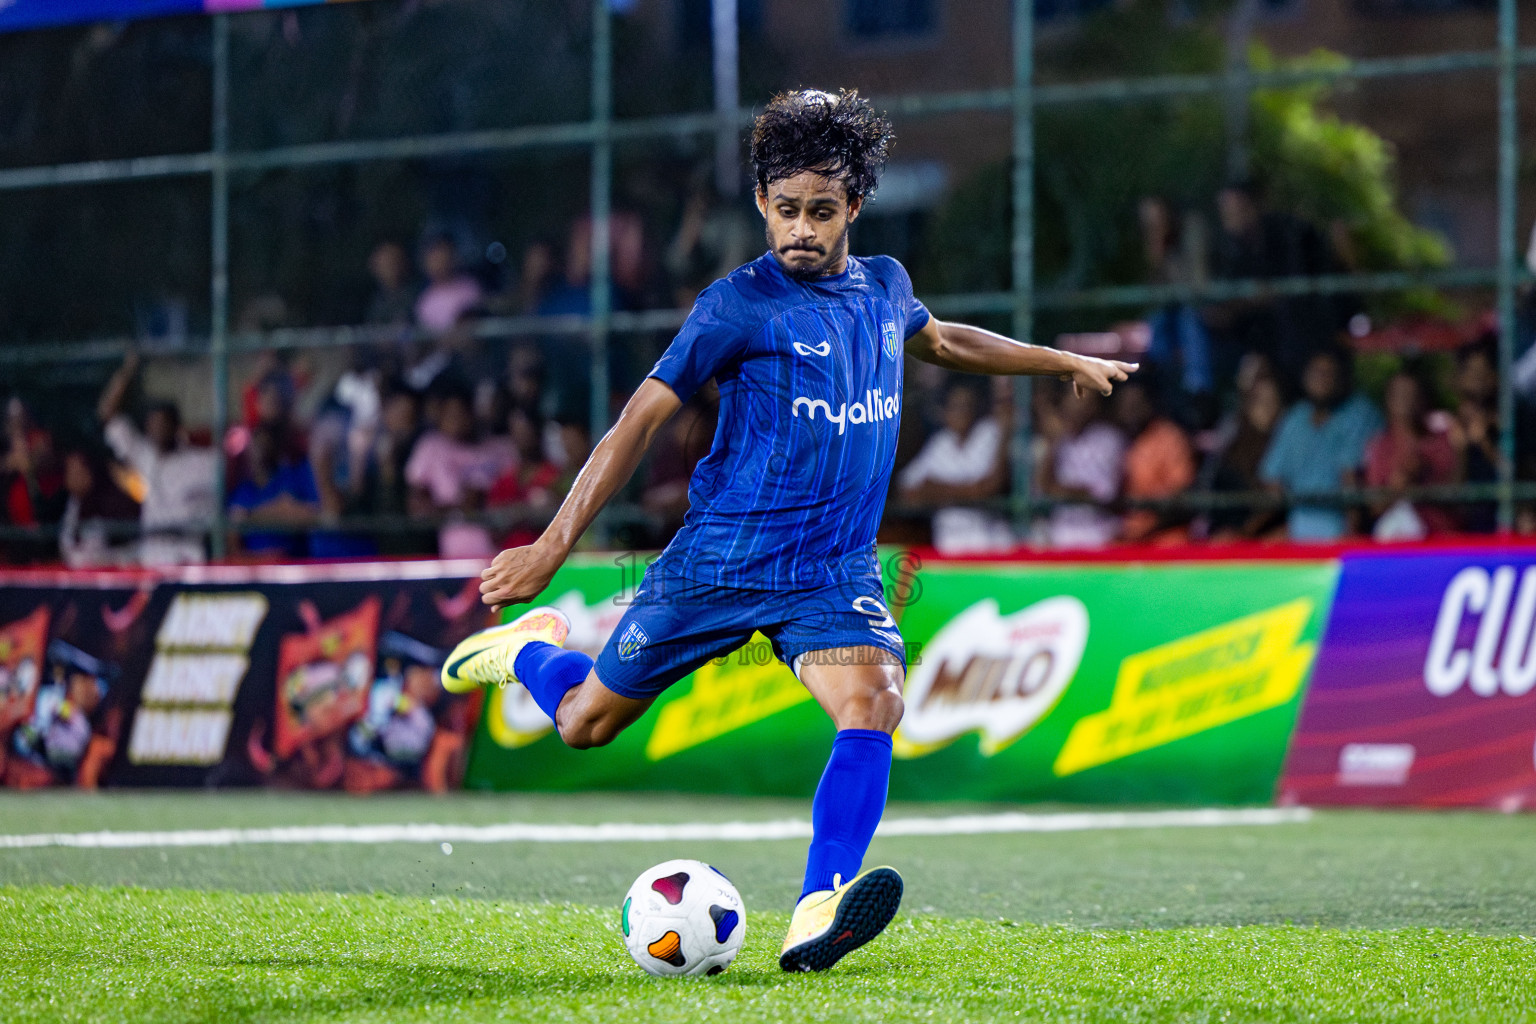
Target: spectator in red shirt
[
  {"x": 1408, "y": 453},
  {"x": 531, "y": 482},
  {"x": 1159, "y": 463},
  {"x": 29, "y": 472}
]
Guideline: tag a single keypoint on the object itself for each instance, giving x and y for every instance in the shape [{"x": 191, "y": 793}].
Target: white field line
[{"x": 731, "y": 831}]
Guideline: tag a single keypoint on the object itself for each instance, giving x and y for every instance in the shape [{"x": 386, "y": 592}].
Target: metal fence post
[
  {"x": 602, "y": 205},
  {"x": 1238, "y": 86},
  {"x": 1023, "y": 246},
  {"x": 727, "y": 60},
  {"x": 1509, "y": 211},
  {"x": 218, "y": 289}
]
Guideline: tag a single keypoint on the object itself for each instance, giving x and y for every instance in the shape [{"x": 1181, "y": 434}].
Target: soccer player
[{"x": 806, "y": 343}]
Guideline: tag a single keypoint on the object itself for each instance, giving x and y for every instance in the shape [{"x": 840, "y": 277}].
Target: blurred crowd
[
  {"x": 436, "y": 439},
  {"x": 1253, "y": 404},
  {"x": 430, "y": 439}
]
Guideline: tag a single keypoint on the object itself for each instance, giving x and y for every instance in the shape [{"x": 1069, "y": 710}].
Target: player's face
[{"x": 807, "y": 219}]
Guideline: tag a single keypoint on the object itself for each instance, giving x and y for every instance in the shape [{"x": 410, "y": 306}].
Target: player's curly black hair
[{"x": 809, "y": 130}]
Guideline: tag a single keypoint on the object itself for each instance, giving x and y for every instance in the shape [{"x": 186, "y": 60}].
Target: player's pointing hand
[{"x": 1091, "y": 374}]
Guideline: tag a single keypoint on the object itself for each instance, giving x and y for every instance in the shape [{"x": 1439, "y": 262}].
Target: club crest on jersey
[
  {"x": 630, "y": 643},
  {"x": 888, "y": 338}
]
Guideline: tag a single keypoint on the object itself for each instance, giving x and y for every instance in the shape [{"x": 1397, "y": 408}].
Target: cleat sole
[{"x": 865, "y": 911}]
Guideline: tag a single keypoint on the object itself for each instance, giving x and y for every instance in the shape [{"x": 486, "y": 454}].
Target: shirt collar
[{"x": 830, "y": 281}]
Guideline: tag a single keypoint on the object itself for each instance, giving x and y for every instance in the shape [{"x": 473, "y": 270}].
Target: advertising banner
[
  {"x": 66, "y": 658},
  {"x": 1423, "y": 693},
  {"x": 318, "y": 677},
  {"x": 1075, "y": 682}
]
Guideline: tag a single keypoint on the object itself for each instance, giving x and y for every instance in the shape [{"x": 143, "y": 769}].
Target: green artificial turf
[
  {"x": 74, "y": 954},
  {"x": 1351, "y": 916},
  {"x": 1369, "y": 869}
]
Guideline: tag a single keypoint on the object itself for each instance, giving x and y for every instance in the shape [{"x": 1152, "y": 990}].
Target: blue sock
[
  {"x": 848, "y": 805},
  {"x": 549, "y": 672}
]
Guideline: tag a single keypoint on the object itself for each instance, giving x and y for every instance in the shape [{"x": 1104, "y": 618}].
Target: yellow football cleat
[
  {"x": 487, "y": 657},
  {"x": 829, "y": 925}
]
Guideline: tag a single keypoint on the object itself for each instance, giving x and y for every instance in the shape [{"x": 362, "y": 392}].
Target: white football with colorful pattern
[{"x": 683, "y": 917}]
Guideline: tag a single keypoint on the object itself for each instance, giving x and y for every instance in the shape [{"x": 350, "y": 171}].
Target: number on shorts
[{"x": 873, "y": 609}]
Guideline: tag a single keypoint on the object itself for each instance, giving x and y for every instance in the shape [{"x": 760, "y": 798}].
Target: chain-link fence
[{"x": 590, "y": 123}]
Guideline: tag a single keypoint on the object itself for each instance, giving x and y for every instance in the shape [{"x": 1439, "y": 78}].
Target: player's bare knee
[
  {"x": 878, "y": 706},
  {"x": 886, "y": 707},
  {"x": 575, "y": 728},
  {"x": 575, "y": 737},
  {"x": 587, "y": 732},
  {"x": 583, "y": 737}
]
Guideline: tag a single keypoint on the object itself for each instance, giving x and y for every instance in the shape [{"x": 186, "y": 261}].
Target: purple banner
[{"x": 1425, "y": 688}]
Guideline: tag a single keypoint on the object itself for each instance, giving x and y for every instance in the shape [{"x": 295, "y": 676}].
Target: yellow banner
[
  {"x": 1193, "y": 684},
  {"x": 725, "y": 697}
]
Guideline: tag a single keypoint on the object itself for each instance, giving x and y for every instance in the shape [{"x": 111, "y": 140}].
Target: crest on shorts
[
  {"x": 630, "y": 643},
  {"x": 888, "y": 337}
]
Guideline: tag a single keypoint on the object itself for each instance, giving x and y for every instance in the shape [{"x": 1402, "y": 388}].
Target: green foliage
[
  {"x": 1095, "y": 161},
  {"x": 1335, "y": 172},
  {"x": 1320, "y": 166}
]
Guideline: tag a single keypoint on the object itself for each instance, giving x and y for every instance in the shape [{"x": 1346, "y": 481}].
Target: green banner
[{"x": 1075, "y": 682}]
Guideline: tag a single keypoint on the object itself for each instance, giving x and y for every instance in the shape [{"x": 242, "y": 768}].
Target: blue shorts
[{"x": 676, "y": 624}]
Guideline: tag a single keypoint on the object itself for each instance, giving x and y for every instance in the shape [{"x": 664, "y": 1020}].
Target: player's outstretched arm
[
  {"x": 973, "y": 350},
  {"x": 518, "y": 575}
]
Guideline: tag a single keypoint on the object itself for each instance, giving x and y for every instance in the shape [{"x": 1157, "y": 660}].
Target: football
[{"x": 683, "y": 917}]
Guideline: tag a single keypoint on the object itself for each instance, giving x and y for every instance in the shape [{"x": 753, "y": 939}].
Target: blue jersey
[{"x": 792, "y": 490}]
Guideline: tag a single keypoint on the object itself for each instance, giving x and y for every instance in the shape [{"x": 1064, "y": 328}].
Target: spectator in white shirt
[
  {"x": 964, "y": 463},
  {"x": 179, "y": 499}
]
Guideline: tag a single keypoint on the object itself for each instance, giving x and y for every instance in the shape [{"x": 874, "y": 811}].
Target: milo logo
[{"x": 993, "y": 674}]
